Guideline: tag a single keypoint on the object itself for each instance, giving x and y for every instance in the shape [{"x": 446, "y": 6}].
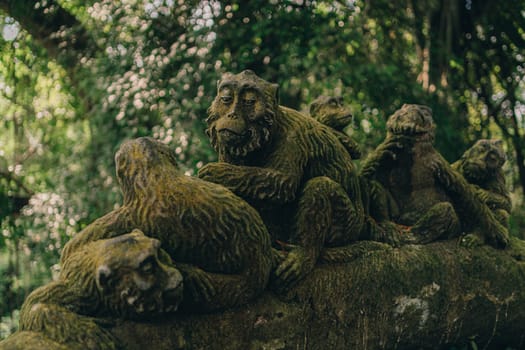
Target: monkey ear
[{"x": 103, "y": 277}]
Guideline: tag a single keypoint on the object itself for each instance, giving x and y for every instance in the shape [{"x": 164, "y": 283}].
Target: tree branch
[
  {"x": 18, "y": 182},
  {"x": 57, "y": 30}
]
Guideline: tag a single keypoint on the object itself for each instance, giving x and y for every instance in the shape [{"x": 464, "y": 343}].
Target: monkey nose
[{"x": 492, "y": 160}]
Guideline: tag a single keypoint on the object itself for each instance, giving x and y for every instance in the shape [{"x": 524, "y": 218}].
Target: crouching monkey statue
[{"x": 290, "y": 167}]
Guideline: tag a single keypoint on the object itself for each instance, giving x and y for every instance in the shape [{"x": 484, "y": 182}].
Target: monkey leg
[
  {"x": 206, "y": 291},
  {"x": 41, "y": 313},
  {"x": 326, "y": 217},
  {"x": 439, "y": 222},
  {"x": 381, "y": 209},
  {"x": 476, "y": 237}
]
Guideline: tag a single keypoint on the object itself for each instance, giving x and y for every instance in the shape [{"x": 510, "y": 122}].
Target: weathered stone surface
[
  {"x": 416, "y": 296},
  {"x": 217, "y": 241}
]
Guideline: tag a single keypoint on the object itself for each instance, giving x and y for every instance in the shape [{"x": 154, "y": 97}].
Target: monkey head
[
  {"x": 414, "y": 121},
  {"x": 483, "y": 161},
  {"x": 138, "y": 161},
  {"x": 129, "y": 275},
  {"x": 331, "y": 111},
  {"x": 241, "y": 116}
]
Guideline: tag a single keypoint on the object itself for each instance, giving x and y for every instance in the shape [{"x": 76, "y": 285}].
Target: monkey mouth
[
  {"x": 229, "y": 135},
  {"x": 409, "y": 130},
  {"x": 226, "y": 131}
]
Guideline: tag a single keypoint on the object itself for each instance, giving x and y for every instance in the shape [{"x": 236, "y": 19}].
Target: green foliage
[
  {"x": 9, "y": 324},
  {"x": 130, "y": 68},
  {"x": 517, "y": 221}
]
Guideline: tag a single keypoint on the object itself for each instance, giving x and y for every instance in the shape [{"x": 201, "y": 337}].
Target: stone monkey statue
[
  {"x": 477, "y": 186},
  {"x": 402, "y": 164},
  {"x": 289, "y": 166},
  {"x": 331, "y": 111},
  {"x": 217, "y": 241},
  {"x": 121, "y": 277},
  {"x": 481, "y": 165}
]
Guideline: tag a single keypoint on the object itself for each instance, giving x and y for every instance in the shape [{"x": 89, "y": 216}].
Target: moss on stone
[{"x": 428, "y": 297}]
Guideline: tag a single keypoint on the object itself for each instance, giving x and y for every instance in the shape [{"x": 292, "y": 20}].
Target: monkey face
[
  {"x": 238, "y": 106},
  {"x": 241, "y": 116},
  {"x": 483, "y": 160},
  {"x": 412, "y": 120},
  {"x": 331, "y": 111},
  {"x": 133, "y": 280}
]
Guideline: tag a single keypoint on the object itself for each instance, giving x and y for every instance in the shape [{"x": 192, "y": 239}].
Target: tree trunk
[{"x": 62, "y": 36}]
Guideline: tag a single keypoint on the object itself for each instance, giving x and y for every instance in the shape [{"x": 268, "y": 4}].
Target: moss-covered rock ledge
[
  {"x": 416, "y": 297},
  {"x": 411, "y": 297}
]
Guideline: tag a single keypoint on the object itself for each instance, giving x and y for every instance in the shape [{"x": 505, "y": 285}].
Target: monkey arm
[
  {"x": 384, "y": 154},
  {"x": 351, "y": 146},
  {"x": 253, "y": 183},
  {"x": 471, "y": 209},
  {"x": 494, "y": 200},
  {"x": 277, "y": 182},
  {"x": 110, "y": 225}
]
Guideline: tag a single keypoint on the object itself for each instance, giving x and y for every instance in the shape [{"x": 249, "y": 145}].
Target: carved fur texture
[
  {"x": 477, "y": 186},
  {"x": 120, "y": 277},
  {"x": 268, "y": 154},
  {"x": 215, "y": 239},
  {"x": 482, "y": 166},
  {"x": 402, "y": 164}
]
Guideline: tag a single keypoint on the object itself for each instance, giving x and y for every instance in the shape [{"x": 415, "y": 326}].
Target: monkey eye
[
  {"x": 226, "y": 99},
  {"x": 334, "y": 103},
  {"x": 148, "y": 265},
  {"x": 249, "y": 101}
]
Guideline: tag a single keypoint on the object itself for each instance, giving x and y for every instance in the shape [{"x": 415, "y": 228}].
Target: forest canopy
[{"x": 79, "y": 77}]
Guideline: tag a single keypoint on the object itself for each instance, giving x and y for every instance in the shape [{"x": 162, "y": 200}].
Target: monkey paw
[
  {"x": 209, "y": 171},
  {"x": 197, "y": 283},
  {"x": 470, "y": 240},
  {"x": 297, "y": 264}
]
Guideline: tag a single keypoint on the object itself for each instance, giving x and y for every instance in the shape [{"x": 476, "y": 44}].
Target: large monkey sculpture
[
  {"x": 289, "y": 166},
  {"x": 402, "y": 164},
  {"x": 217, "y": 241}
]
